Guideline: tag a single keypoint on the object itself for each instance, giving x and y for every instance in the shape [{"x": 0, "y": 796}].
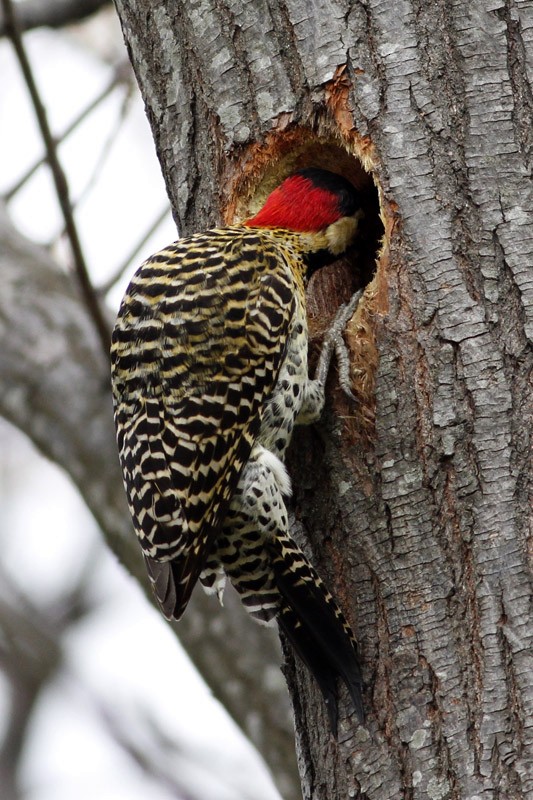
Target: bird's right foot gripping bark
[
  {"x": 333, "y": 341},
  {"x": 314, "y": 398}
]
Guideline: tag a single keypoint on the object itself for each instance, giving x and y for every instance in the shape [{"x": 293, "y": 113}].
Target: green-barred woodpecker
[{"x": 209, "y": 372}]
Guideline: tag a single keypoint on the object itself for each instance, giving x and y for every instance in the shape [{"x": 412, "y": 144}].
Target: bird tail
[{"x": 316, "y": 627}]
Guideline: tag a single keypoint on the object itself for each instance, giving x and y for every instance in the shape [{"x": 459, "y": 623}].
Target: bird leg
[{"x": 333, "y": 341}]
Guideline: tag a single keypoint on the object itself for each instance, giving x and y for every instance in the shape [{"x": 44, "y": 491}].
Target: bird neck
[{"x": 334, "y": 239}]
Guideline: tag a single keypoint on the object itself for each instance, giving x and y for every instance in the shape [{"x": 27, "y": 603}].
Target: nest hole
[{"x": 260, "y": 172}]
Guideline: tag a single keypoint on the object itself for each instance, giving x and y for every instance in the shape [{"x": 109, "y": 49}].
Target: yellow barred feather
[{"x": 196, "y": 352}]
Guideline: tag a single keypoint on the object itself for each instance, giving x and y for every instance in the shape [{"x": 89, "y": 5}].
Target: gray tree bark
[{"x": 415, "y": 504}]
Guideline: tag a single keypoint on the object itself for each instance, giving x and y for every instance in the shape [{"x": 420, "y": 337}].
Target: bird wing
[{"x": 196, "y": 353}]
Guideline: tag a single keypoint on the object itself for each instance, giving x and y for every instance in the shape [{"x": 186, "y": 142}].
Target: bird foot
[{"x": 333, "y": 341}]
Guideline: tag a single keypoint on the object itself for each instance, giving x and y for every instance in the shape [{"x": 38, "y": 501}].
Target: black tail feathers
[{"x": 319, "y": 633}]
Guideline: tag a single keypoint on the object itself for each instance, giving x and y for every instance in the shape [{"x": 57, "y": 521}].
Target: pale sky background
[{"x": 46, "y": 533}]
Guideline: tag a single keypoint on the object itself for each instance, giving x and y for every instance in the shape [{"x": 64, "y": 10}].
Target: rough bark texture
[{"x": 421, "y": 525}]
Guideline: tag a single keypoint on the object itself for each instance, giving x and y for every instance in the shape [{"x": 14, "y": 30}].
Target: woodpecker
[{"x": 210, "y": 375}]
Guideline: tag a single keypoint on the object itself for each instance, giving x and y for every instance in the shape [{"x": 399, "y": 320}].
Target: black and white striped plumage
[{"x": 209, "y": 369}]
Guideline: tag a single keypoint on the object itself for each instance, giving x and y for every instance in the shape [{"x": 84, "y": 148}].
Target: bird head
[{"x": 322, "y": 205}]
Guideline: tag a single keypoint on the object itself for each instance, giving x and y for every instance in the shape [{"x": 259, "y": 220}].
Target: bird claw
[
  {"x": 333, "y": 340},
  {"x": 343, "y": 365},
  {"x": 344, "y": 314}
]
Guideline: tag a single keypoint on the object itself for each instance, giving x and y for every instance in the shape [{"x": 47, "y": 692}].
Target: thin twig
[
  {"x": 59, "y": 178},
  {"x": 104, "y": 288},
  {"x": 119, "y": 77},
  {"x": 106, "y": 148}
]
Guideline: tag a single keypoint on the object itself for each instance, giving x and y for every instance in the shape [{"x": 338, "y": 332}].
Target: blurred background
[{"x": 77, "y": 637}]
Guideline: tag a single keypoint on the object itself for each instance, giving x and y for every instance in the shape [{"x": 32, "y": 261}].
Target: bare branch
[
  {"x": 28, "y": 664},
  {"x": 107, "y": 146},
  {"x": 122, "y": 74},
  {"x": 30, "y": 653},
  {"x": 60, "y": 181},
  {"x": 151, "y": 760},
  {"x": 51, "y": 14}
]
